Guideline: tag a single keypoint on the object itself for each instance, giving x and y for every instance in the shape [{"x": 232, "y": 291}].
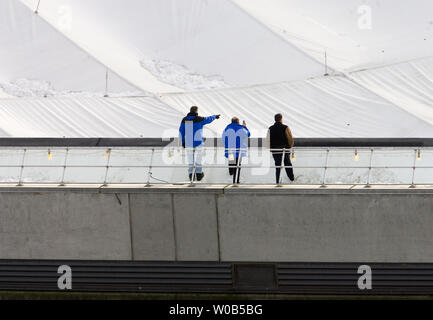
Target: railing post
[
  {"x": 281, "y": 167},
  {"x": 22, "y": 169},
  {"x": 107, "y": 167},
  {"x": 62, "y": 183},
  {"x": 369, "y": 169},
  {"x": 149, "y": 173},
  {"x": 238, "y": 167},
  {"x": 413, "y": 170},
  {"x": 325, "y": 169}
]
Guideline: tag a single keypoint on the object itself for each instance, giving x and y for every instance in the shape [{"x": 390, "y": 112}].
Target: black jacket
[{"x": 278, "y": 138}]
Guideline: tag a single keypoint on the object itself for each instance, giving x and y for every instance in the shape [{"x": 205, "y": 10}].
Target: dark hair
[
  {"x": 193, "y": 109},
  {"x": 278, "y": 117},
  {"x": 235, "y": 120}
]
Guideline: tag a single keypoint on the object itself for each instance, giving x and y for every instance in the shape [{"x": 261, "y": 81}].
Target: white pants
[{"x": 194, "y": 156}]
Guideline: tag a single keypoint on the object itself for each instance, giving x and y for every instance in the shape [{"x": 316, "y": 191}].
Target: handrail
[{"x": 150, "y": 154}]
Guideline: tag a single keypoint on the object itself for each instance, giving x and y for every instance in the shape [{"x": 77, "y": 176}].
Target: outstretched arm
[{"x": 210, "y": 119}]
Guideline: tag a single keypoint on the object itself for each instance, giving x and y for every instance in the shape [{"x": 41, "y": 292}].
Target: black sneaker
[{"x": 200, "y": 176}]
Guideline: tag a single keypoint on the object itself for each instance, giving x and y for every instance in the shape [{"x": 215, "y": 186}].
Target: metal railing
[{"x": 28, "y": 154}]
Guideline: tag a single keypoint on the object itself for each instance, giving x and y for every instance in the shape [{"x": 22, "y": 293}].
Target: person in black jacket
[{"x": 280, "y": 137}]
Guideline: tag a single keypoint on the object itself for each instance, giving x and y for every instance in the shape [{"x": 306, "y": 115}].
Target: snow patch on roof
[
  {"x": 40, "y": 88},
  {"x": 180, "y": 76}
]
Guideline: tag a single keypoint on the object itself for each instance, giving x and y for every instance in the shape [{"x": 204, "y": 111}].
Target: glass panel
[
  {"x": 10, "y": 157},
  {"x": 350, "y": 166},
  {"x": 391, "y": 162},
  {"x": 424, "y": 175},
  {"x": 43, "y": 166}
]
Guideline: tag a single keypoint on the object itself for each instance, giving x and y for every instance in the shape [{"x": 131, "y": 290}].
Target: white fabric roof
[
  {"x": 407, "y": 85},
  {"x": 3, "y": 94},
  {"x": 401, "y": 30},
  {"x": 323, "y": 107},
  {"x": 250, "y": 58},
  {"x": 37, "y": 58},
  {"x": 209, "y": 37},
  {"x": 87, "y": 117}
]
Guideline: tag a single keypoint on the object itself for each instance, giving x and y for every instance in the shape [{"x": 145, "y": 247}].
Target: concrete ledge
[
  {"x": 220, "y": 189},
  {"x": 217, "y": 223},
  {"x": 122, "y": 188}
]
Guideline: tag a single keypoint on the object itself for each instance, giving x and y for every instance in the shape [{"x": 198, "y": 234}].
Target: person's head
[
  {"x": 235, "y": 120},
  {"x": 194, "y": 109},
  {"x": 278, "y": 117}
]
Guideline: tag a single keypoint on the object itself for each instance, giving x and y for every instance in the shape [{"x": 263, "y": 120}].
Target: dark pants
[
  {"x": 233, "y": 170},
  {"x": 278, "y": 157}
]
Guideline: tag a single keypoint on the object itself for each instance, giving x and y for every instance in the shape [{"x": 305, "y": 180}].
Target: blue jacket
[
  {"x": 235, "y": 139},
  {"x": 191, "y": 129}
]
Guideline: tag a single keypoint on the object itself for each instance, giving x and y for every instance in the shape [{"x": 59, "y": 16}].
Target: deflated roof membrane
[{"x": 250, "y": 58}]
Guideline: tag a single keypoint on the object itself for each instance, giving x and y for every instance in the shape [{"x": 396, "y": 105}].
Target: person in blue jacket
[
  {"x": 235, "y": 138},
  {"x": 191, "y": 136}
]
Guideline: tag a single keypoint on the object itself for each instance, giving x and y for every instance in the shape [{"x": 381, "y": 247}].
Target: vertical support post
[
  {"x": 412, "y": 185},
  {"x": 22, "y": 169},
  {"x": 106, "y": 84},
  {"x": 37, "y": 7},
  {"x": 62, "y": 182},
  {"x": 325, "y": 169},
  {"x": 215, "y": 154},
  {"x": 149, "y": 173},
  {"x": 238, "y": 167},
  {"x": 326, "y": 64},
  {"x": 282, "y": 166},
  {"x": 107, "y": 166},
  {"x": 369, "y": 169}
]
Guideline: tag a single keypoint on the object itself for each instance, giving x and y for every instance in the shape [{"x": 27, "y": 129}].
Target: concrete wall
[
  {"x": 218, "y": 224},
  {"x": 69, "y": 225},
  {"x": 328, "y": 226}
]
